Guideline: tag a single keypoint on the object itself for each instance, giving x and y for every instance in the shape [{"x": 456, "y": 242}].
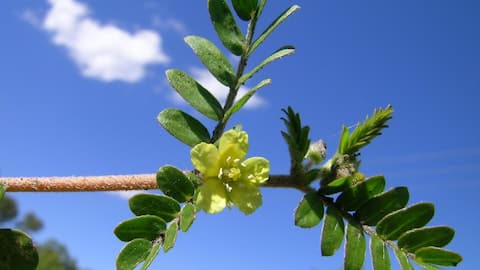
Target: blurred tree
[{"x": 52, "y": 254}]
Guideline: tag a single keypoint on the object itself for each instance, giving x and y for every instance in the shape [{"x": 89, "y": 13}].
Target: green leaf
[
  {"x": 3, "y": 189},
  {"x": 427, "y": 266},
  {"x": 152, "y": 255},
  {"x": 148, "y": 227},
  {"x": 355, "y": 247},
  {"x": 245, "y": 98},
  {"x": 403, "y": 260},
  {"x": 187, "y": 216},
  {"x": 133, "y": 253},
  {"x": 395, "y": 224},
  {"x": 151, "y": 204},
  {"x": 424, "y": 237},
  {"x": 381, "y": 205},
  {"x": 278, "y": 54},
  {"x": 332, "y": 233},
  {"x": 17, "y": 251},
  {"x": 297, "y": 138},
  {"x": 170, "y": 237},
  {"x": 343, "y": 139},
  {"x": 366, "y": 131},
  {"x": 174, "y": 183},
  {"x": 245, "y": 9},
  {"x": 354, "y": 197},
  {"x": 280, "y": 19},
  {"x": 438, "y": 256},
  {"x": 195, "y": 94},
  {"x": 212, "y": 58},
  {"x": 337, "y": 185},
  {"x": 380, "y": 256},
  {"x": 310, "y": 211},
  {"x": 183, "y": 127},
  {"x": 226, "y": 27}
]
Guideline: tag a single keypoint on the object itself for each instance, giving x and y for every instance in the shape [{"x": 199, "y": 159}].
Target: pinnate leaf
[
  {"x": 380, "y": 256},
  {"x": 355, "y": 247},
  {"x": 175, "y": 183},
  {"x": 150, "y": 204},
  {"x": 147, "y": 227},
  {"x": 183, "y": 127},
  {"x": 438, "y": 236},
  {"x": 310, "y": 211},
  {"x": 395, "y": 224},
  {"x": 195, "y": 94},
  {"x": 332, "y": 233},
  {"x": 213, "y": 59},
  {"x": 133, "y": 253},
  {"x": 438, "y": 256},
  {"x": 226, "y": 26},
  {"x": 17, "y": 251},
  {"x": 381, "y": 205},
  {"x": 157, "y": 245}
]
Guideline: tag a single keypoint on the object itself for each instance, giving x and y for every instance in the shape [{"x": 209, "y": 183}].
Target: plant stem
[{"x": 113, "y": 183}]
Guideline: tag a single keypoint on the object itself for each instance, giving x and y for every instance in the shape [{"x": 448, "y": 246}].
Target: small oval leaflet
[
  {"x": 395, "y": 224},
  {"x": 333, "y": 232},
  {"x": 133, "y": 253},
  {"x": 310, "y": 211},
  {"x": 150, "y": 204},
  {"x": 174, "y": 183},
  {"x": 438, "y": 236},
  {"x": 147, "y": 227}
]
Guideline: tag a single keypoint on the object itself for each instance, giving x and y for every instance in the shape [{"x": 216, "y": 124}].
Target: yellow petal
[
  {"x": 212, "y": 196},
  {"x": 255, "y": 170},
  {"x": 205, "y": 159},
  {"x": 233, "y": 144},
  {"x": 246, "y": 197}
]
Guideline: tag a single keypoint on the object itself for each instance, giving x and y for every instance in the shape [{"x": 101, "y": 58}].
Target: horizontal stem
[{"x": 112, "y": 183}]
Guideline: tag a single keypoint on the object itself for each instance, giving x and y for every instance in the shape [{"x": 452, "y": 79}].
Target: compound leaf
[
  {"x": 170, "y": 237},
  {"x": 403, "y": 260},
  {"x": 187, "y": 216},
  {"x": 438, "y": 256},
  {"x": 354, "y": 197}
]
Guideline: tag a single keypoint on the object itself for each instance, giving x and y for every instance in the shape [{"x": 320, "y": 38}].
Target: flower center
[{"x": 231, "y": 171}]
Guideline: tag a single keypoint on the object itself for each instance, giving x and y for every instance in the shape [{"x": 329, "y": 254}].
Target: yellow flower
[{"x": 227, "y": 177}]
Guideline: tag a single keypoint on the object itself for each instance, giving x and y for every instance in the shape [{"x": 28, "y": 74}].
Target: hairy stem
[{"x": 113, "y": 183}]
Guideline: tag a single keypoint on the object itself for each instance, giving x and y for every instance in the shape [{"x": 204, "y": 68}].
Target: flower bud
[{"x": 317, "y": 152}]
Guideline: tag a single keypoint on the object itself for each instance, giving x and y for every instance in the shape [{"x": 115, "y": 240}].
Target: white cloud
[
  {"x": 31, "y": 17},
  {"x": 102, "y": 51},
  {"x": 220, "y": 91}
]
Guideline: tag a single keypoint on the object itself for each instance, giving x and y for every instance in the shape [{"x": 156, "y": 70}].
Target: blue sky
[{"x": 84, "y": 80}]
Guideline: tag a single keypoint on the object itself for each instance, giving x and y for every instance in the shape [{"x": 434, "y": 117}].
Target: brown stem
[{"x": 112, "y": 183}]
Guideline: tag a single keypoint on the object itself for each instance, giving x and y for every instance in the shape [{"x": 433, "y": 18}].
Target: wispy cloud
[
  {"x": 32, "y": 18},
  {"x": 169, "y": 24},
  {"x": 220, "y": 91},
  {"x": 126, "y": 194},
  {"x": 102, "y": 51}
]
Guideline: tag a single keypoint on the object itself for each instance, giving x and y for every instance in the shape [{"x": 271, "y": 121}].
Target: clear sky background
[{"x": 82, "y": 82}]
